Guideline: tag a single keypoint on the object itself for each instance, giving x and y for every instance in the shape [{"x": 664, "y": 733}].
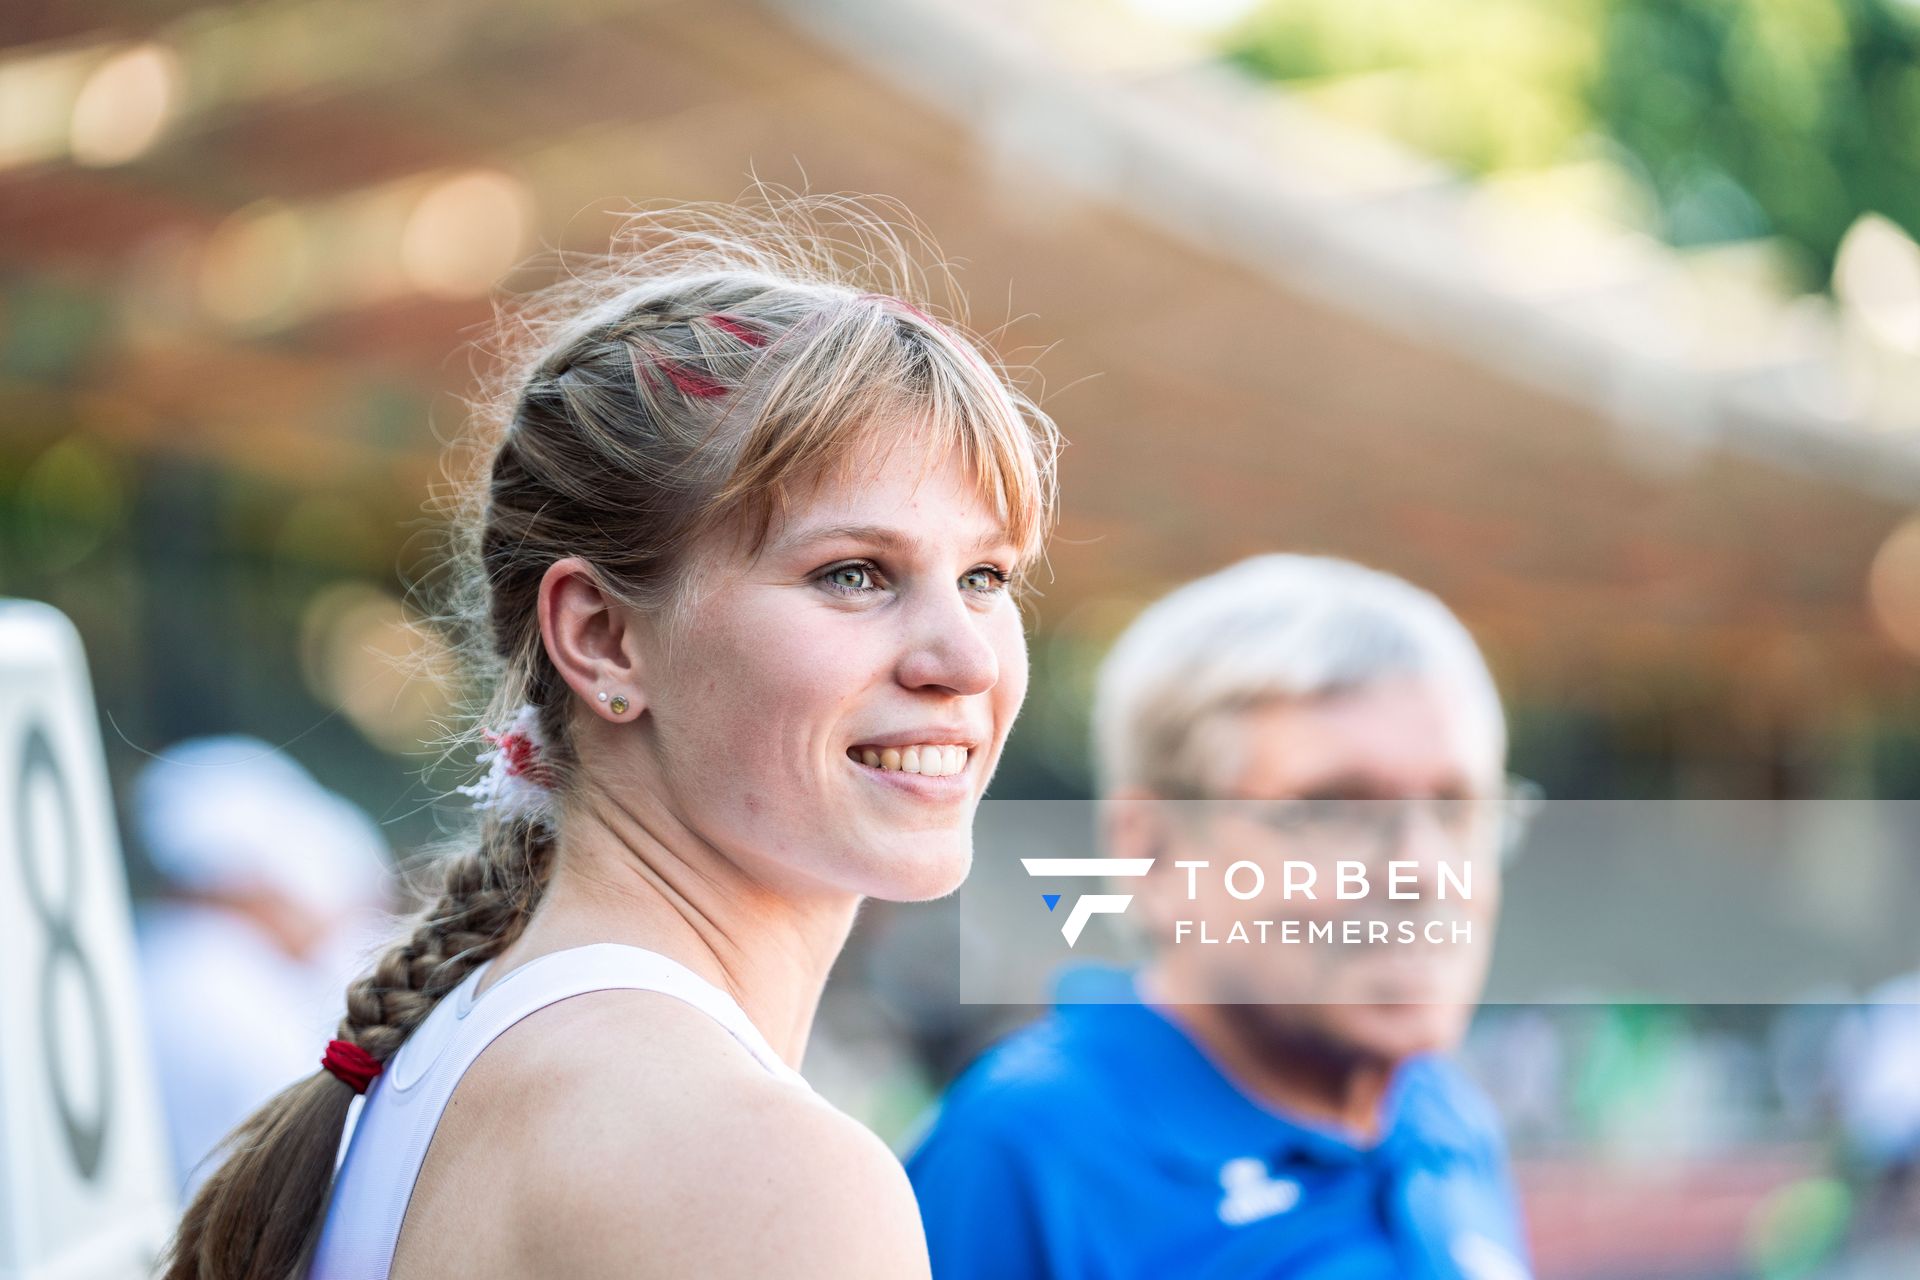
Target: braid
[
  {"x": 265, "y": 1204},
  {"x": 640, "y": 331},
  {"x": 484, "y": 901}
]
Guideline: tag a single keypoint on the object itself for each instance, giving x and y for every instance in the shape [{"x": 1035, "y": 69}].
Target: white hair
[{"x": 1268, "y": 629}]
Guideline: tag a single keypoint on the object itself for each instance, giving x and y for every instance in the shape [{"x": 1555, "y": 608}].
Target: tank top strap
[
  {"x": 394, "y": 1123},
  {"x": 604, "y": 966}
]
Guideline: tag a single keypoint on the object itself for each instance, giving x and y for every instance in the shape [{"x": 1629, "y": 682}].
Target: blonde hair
[
  {"x": 721, "y": 359},
  {"x": 1269, "y": 629}
]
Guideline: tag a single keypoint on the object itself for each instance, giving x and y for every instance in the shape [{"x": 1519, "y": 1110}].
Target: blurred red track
[{"x": 1682, "y": 1219}]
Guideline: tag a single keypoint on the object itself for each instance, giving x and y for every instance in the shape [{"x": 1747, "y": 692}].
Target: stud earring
[
  {"x": 619, "y": 705},
  {"x": 603, "y": 695}
]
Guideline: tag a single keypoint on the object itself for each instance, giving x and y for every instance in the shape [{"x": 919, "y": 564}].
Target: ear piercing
[{"x": 619, "y": 704}]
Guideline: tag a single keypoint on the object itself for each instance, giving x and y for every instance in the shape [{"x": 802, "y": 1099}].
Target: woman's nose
[{"x": 947, "y": 647}]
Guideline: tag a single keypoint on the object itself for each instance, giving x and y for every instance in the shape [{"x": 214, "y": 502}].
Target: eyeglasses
[{"x": 1372, "y": 828}]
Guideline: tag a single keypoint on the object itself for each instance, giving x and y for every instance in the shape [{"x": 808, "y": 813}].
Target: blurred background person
[
  {"x": 1874, "y": 1077},
  {"x": 1260, "y": 1109},
  {"x": 271, "y": 887}
]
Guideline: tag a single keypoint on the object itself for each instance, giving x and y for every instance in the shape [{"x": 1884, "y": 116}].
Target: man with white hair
[
  {"x": 271, "y": 885},
  {"x": 1253, "y": 1106}
]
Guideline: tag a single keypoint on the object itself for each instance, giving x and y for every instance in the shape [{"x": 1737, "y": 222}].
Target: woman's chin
[{"x": 924, "y": 870}]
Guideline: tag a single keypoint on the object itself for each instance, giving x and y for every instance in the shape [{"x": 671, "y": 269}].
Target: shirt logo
[
  {"x": 1252, "y": 1193},
  {"x": 1481, "y": 1259},
  {"x": 1092, "y": 904}
]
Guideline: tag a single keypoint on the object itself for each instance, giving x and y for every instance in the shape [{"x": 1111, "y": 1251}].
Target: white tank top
[{"x": 395, "y": 1121}]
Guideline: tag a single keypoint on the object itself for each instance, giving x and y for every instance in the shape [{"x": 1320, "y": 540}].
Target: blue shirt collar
[{"x": 1201, "y": 1117}]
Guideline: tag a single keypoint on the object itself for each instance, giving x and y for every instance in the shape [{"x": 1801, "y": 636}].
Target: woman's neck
[{"x": 618, "y": 877}]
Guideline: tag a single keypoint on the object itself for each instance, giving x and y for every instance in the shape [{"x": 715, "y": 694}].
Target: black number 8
[{"x": 85, "y": 1138}]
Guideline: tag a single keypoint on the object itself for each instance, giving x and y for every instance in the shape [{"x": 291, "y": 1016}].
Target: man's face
[{"x": 1328, "y": 781}]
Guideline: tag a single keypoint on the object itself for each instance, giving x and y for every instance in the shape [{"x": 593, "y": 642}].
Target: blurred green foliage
[
  {"x": 1741, "y": 118},
  {"x": 1483, "y": 84}
]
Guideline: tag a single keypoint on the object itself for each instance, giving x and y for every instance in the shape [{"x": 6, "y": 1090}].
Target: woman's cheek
[{"x": 1012, "y": 647}]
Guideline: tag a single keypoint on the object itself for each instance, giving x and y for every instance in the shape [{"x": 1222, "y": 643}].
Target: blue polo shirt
[{"x": 1101, "y": 1144}]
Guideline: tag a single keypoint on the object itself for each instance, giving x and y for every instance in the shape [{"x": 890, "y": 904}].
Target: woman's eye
[
  {"x": 849, "y": 577},
  {"x": 984, "y": 579}
]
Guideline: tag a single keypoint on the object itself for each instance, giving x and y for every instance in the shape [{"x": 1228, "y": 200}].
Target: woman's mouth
[{"x": 929, "y": 760}]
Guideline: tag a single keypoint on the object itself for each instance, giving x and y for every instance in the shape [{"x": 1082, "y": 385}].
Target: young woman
[{"x": 744, "y": 562}]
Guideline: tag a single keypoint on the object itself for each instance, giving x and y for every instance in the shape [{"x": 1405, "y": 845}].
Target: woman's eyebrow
[
  {"x": 878, "y": 535},
  {"x": 886, "y": 537}
]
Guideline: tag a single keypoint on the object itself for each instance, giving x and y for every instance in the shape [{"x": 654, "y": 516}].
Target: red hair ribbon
[
  {"x": 345, "y": 1060},
  {"x": 738, "y": 331},
  {"x": 688, "y": 382},
  {"x": 519, "y": 755}
]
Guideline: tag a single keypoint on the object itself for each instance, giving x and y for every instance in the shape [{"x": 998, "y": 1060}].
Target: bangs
[{"x": 864, "y": 384}]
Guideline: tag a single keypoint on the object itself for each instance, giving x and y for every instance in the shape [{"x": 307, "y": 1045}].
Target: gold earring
[{"x": 619, "y": 704}]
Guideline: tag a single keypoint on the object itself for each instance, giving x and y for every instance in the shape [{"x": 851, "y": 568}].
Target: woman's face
[{"x": 829, "y": 710}]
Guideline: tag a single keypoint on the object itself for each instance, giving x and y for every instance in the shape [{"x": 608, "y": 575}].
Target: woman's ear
[{"x": 592, "y": 639}]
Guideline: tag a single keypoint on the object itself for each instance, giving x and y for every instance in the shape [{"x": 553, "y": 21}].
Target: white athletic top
[{"x": 397, "y": 1118}]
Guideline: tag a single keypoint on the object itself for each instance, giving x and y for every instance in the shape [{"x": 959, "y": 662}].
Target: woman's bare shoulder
[{"x": 652, "y": 1144}]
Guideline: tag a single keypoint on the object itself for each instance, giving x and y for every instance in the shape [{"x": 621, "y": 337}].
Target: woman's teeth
[{"x": 932, "y": 761}]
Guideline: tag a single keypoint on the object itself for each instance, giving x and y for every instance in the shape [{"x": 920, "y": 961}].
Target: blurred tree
[
  {"x": 1482, "y": 84},
  {"x": 1744, "y": 118},
  {"x": 1782, "y": 117}
]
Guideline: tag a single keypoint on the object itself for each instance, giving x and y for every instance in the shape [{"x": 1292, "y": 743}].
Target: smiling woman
[{"x": 740, "y": 573}]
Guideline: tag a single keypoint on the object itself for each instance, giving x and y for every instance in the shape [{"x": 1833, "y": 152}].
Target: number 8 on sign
[{"x": 39, "y": 792}]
